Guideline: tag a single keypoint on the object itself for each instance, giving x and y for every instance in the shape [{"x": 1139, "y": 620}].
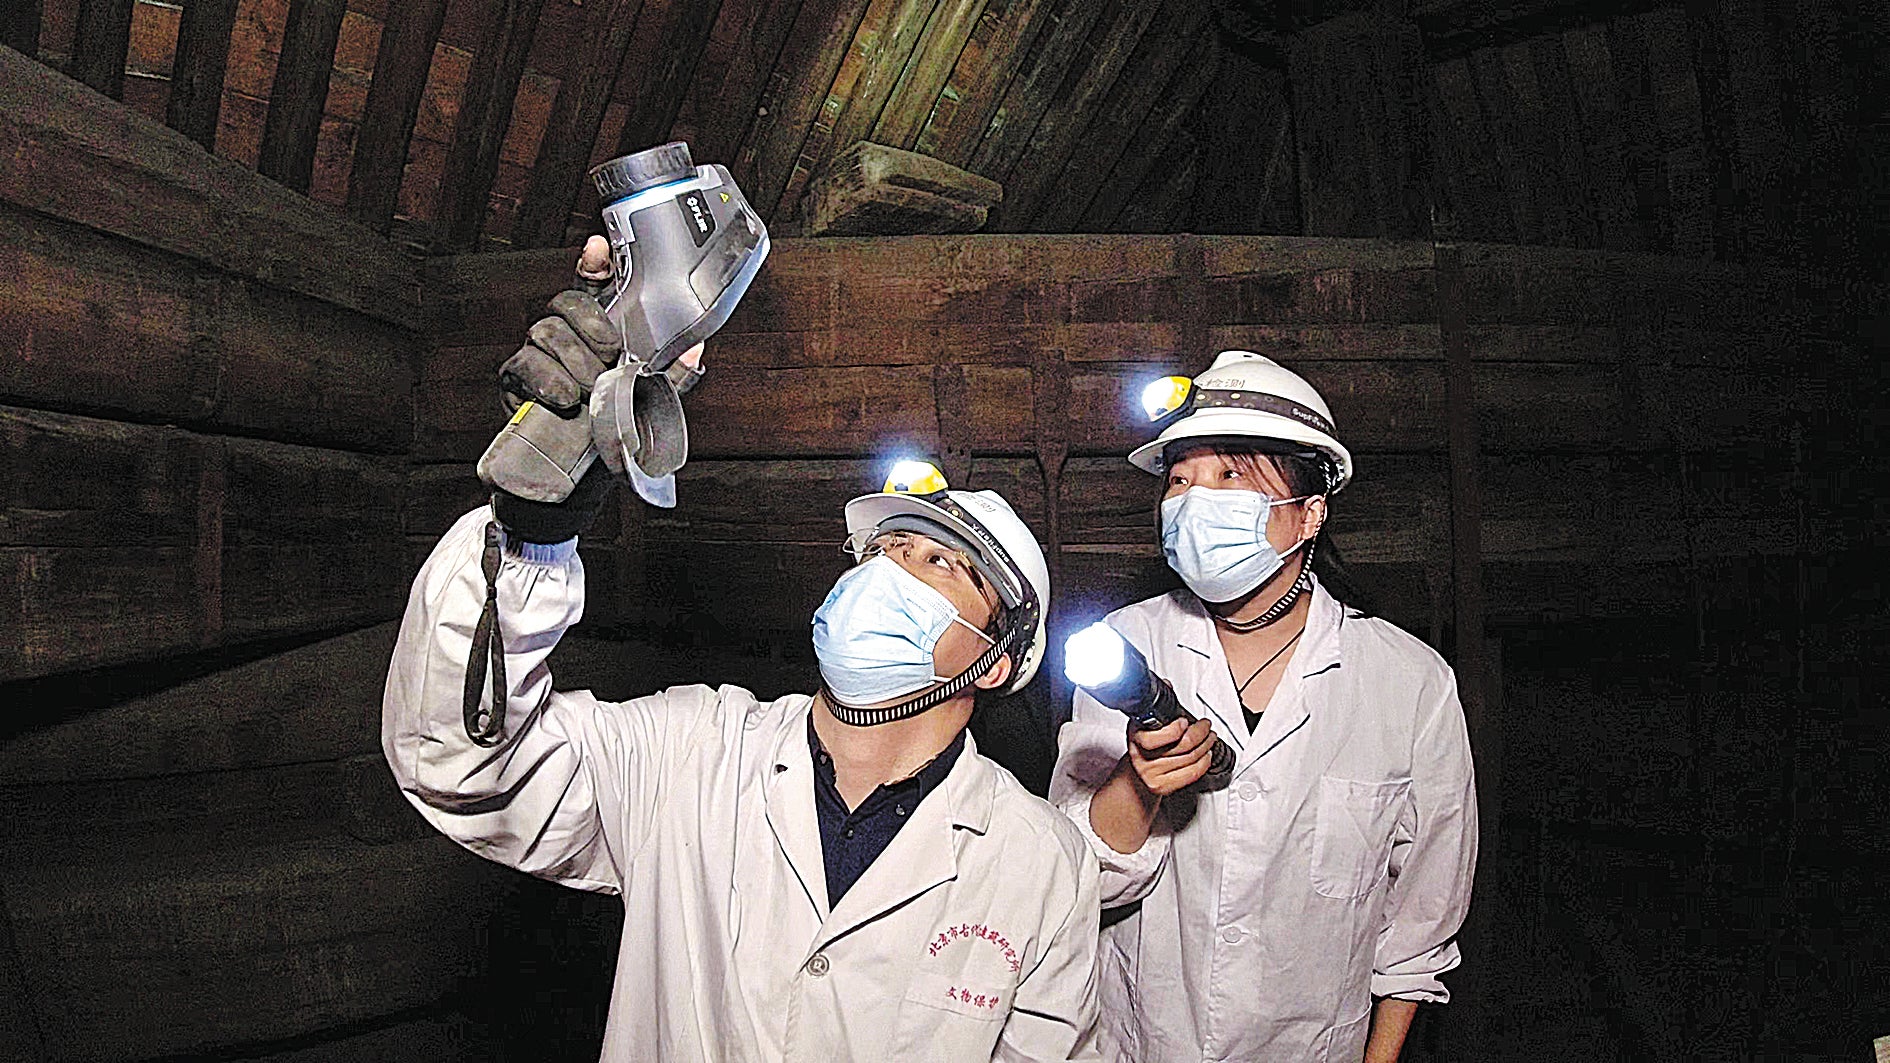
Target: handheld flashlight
[{"x": 1116, "y": 674}]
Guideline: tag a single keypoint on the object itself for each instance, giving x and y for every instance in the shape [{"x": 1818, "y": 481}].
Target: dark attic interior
[{"x": 1595, "y": 292}]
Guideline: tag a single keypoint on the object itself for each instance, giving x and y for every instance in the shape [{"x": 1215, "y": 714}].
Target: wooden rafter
[
  {"x": 720, "y": 105},
  {"x": 997, "y": 46},
  {"x": 910, "y": 106},
  {"x": 1099, "y": 62},
  {"x": 300, "y": 92},
  {"x": 886, "y": 38},
  {"x": 198, "y": 67},
  {"x": 19, "y": 26},
  {"x": 393, "y": 103},
  {"x": 657, "y": 72},
  {"x": 1110, "y": 136},
  {"x": 485, "y": 109},
  {"x": 576, "y": 116},
  {"x": 100, "y": 43},
  {"x": 797, "y": 90},
  {"x": 1178, "y": 100},
  {"x": 1015, "y": 118}
]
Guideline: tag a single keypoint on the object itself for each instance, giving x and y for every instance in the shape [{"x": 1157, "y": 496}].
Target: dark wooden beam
[
  {"x": 885, "y": 40},
  {"x": 571, "y": 131},
  {"x": 1359, "y": 128},
  {"x": 1110, "y": 134},
  {"x": 1249, "y": 170},
  {"x": 485, "y": 109},
  {"x": 658, "y": 69},
  {"x": 197, "y": 69},
  {"x": 83, "y": 159},
  {"x": 995, "y": 50},
  {"x": 796, "y": 92},
  {"x": 19, "y": 26},
  {"x": 926, "y": 73},
  {"x": 100, "y": 43},
  {"x": 1100, "y": 62},
  {"x": 1161, "y": 201},
  {"x": 1008, "y": 133},
  {"x": 719, "y": 107},
  {"x": 300, "y": 92},
  {"x": 393, "y": 103},
  {"x": 1179, "y": 99}
]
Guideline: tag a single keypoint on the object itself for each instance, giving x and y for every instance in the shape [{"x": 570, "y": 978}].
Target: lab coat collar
[
  {"x": 923, "y": 855},
  {"x": 1318, "y": 649}
]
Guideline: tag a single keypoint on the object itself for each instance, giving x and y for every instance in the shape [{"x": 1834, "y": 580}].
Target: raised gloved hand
[{"x": 562, "y": 356}]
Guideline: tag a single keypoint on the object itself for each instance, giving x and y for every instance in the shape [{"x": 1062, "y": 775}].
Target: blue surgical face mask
[
  {"x": 875, "y": 633},
  {"x": 1216, "y": 540}
]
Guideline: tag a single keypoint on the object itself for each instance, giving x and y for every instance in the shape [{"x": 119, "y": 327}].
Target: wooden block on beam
[{"x": 874, "y": 190}]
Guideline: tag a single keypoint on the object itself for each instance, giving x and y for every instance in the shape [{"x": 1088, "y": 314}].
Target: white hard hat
[
  {"x": 1244, "y": 395},
  {"x": 999, "y": 543}
]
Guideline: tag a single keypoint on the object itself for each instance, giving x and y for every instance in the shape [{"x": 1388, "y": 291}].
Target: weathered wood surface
[
  {"x": 300, "y": 92},
  {"x": 401, "y": 61},
  {"x": 1359, "y": 126},
  {"x": 82, "y": 158},
  {"x": 102, "y": 325},
  {"x": 105, "y": 524},
  {"x": 497, "y": 63},
  {"x": 874, "y": 190},
  {"x": 99, "y": 45},
  {"x": 198, "y": 66}
]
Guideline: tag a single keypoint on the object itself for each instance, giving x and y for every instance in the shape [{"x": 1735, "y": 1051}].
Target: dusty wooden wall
[{"x": 205, "y": 420}]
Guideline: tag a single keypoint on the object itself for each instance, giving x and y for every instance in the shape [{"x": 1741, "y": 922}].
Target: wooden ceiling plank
[
  {"x": 1162, "y": 201},
  {"x": 197, "y": 68},
  {"x": 19, "y": 26},
  {"x": 926, "y": 73},
  {"x": 401, "y": 64},
  {"x": 719, "y": 107},
  {"x": 571, "y": 131},
  {"x": 659, "y": 70},
  {"x": 300, "y": 92},
  {"x": 100, "y": 44},
  {"x": 485, "y": 110},
  {"x": 1106, "y": 54},
  {"x": 1477, "y": 183},
  {"x": 997, "y": 47},
  {"x": 797, "y": 91},
  {"x": 1179, "y": 99},
  {"x": 874, "y": 62},
  {"x": 1008, "y": 133},
  {"x": 1174, "y": 37}
]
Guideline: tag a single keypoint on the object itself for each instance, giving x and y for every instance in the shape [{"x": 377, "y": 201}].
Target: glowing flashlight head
[
  {"x": 1165, "y": 397},
  {"x": 914, "y": 477},
  {"x": 1093, "y": 656}
]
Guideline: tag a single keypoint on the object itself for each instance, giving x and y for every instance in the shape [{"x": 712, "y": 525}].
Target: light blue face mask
[
  {"x": 875, "y": 633},
  {"x": 1216, "y": 541}
]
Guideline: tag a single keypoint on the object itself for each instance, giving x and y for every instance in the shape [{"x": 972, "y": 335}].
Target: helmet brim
[{"x": 1242, "y": 424}]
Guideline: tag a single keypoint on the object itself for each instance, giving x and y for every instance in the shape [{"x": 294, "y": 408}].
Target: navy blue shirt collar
[{"x": 851, "y": 840}]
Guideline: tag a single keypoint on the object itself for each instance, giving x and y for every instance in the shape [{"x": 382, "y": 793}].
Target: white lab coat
[
  {"x": 972, "y": 937},
  {"x": 1335, "y": 866}
]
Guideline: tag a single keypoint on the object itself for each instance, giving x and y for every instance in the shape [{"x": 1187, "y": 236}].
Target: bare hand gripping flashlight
[
  {"x": 685, "y": 246},
  {"x": 1115, "y": 673}
]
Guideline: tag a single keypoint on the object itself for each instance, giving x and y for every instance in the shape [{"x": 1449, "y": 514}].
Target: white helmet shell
[
  {"x": 1024, "y": 572},
  {"x": 1253, "y": 374}
]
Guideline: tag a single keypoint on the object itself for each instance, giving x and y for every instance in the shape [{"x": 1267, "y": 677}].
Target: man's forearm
[
  {"x": 1122, "y": 811},
  {"x": 1391, "y": 1022}
]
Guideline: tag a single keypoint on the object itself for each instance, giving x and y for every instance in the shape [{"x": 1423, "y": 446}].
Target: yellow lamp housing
[
  {"x": 1166, "y": 397},
  {"x": 914, "y": 477}
]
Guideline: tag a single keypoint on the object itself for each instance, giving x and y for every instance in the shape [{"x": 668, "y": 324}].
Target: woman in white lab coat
[{"x": 1303, "y": 906}]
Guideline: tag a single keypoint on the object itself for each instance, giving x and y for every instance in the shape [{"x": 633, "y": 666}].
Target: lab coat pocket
[
  {"x": 949, "y": 1018},
  {"x": 957, "y": 996},
  {"x": 1352, "y": 838}
]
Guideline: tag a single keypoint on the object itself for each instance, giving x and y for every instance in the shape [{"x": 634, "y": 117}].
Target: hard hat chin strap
[
  {"x": 1282, "y": 607},
  {"x": 927, "y": 699}
]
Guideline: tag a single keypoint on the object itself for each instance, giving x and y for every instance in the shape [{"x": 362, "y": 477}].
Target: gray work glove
[{"x": 562, "y": 356}]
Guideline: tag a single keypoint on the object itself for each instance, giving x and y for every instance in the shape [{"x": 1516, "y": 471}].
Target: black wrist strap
[{"x": 486, "y": 725}]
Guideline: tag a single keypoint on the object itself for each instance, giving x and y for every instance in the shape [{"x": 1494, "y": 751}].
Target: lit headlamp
[
  {"x": 1174, "y": 397},
  {"x": 914, "y": 477}
]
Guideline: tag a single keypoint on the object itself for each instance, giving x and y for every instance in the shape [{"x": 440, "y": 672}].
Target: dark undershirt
[{"x": 851, "y": 841}]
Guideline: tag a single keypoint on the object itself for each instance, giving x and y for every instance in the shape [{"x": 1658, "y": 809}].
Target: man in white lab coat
[
  {"x": 1301, "y": 907},
  {"x": 830, "y": 877}
]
